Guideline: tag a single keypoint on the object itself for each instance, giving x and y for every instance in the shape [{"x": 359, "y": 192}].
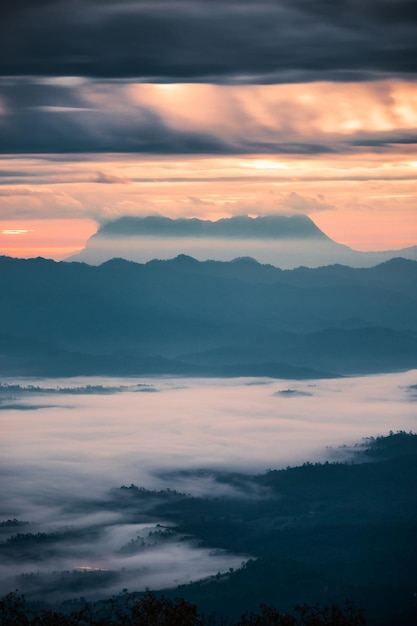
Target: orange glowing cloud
[
  {"x": 355, "y": 199},
  {"x": 344, "y": 154},
  {"x": 262, "y": 113}
]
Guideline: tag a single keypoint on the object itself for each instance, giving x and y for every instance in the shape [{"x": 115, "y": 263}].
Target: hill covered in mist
[
  {"x": 283, "y": 241},
  {"x": 315, "y": 533},
  {"x": 206, "y": 318}
]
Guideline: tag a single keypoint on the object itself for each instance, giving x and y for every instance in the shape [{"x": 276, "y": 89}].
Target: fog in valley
[
  {"x": 286, "y": 241},
  {"x": 69, "y": 445},
  {"x": 284, "y": 254}
]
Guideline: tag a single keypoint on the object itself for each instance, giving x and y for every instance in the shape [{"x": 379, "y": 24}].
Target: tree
[
  {"x": 269, "y": 617},
  {"x": 334, "y": 615},
  {"x": 12, "y": 610}
]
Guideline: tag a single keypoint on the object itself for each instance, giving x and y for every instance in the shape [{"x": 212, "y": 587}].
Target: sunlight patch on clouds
[
  {"x": 268, "y": 165},
  {"x": 254, "y": 114}
]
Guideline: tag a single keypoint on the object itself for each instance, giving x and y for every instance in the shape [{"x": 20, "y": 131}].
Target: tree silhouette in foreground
[
  {"x": 334, "y": 615},
  {"x": 151, "y": 610}
]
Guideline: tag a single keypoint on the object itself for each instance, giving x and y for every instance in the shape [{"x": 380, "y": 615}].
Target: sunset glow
[
  {"x": 365, "y": 200},
  {"x": 50, "y": 238},
  {"x": 208, "y": 263},
  {"x": 192, "y": 134}
]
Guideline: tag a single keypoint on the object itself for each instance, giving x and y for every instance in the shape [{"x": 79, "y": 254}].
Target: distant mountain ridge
[
  {"x": 241, "y": 226},
  {"x": 186, "y": 317},
  {"x": 283, "y": 241}
]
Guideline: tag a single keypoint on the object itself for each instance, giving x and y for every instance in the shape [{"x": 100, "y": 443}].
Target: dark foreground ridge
[
  {"x": 318, "y": 533},
  {"x": 185, "y": 317},
  {"x": 150, "y": 610}
]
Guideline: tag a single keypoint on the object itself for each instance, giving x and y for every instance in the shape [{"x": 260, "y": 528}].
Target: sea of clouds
[{"x": 66, "y": 443}]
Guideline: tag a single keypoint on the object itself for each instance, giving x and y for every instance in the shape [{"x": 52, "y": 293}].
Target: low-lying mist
[
  {"x": 283, "y": 254},
  {"x": 67, "y": 443}
]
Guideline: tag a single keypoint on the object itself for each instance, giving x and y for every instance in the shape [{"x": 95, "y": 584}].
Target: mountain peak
[
  {"x": 237, "y": 227},
  {"x": 280, "y": 240}
]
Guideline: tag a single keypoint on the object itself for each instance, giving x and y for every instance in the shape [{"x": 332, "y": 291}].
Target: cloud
[
  {"x": 16, "y": 231},
  {"x": 26, "y": 202},
  {"x": 103, "y": 116},
  {"x": 296, "y": 202},
  {"x": 109, "y": 179},
  {"x": 196, "y": 40},
  {"x": 58, "y": 481}
]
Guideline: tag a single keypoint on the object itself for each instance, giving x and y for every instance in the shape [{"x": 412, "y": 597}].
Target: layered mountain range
[
  {"x": 286, "y": 242},
  {"x": 186, "y": 317}
]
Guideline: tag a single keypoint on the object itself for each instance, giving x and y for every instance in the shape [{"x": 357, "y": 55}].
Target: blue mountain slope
[{"x": 183, "y": 316}]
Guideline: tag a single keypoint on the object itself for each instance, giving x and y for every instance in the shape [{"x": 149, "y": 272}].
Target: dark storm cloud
[
  {"x": 41, "y": 118},
  {"x": 209, "y": 40},
  {"x": 50, "y": 118},
  {"x": 385, "y": 140},
  {"x": 49, "y": 132}
]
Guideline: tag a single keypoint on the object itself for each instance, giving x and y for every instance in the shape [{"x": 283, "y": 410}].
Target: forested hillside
[
  {"x": 317, "y": 533},
  {"x": 206, "y": 318}
]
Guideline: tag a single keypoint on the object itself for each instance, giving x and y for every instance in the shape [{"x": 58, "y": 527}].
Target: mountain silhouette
[
  {"x": 206, "y": 318},
  {"x": 283, "y": 241},
  {"x": 241, "y": 226}
]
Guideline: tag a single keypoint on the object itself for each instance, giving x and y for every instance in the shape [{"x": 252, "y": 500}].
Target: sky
[{"x": 209, "y": 109}]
